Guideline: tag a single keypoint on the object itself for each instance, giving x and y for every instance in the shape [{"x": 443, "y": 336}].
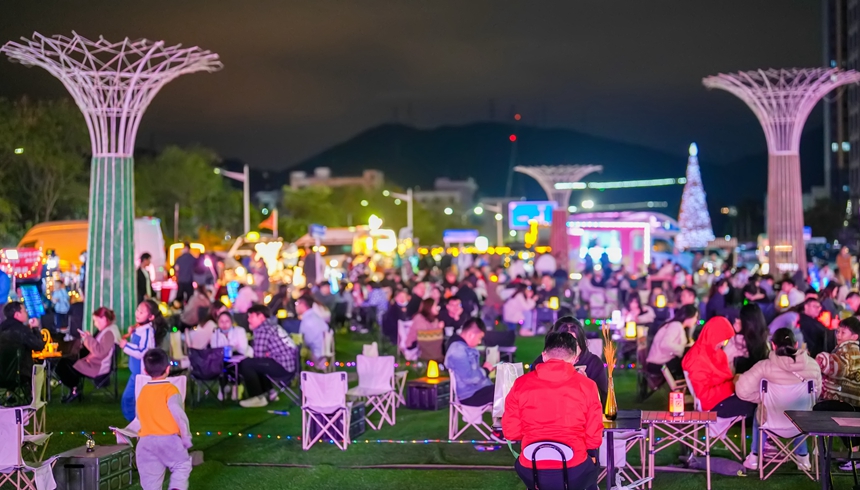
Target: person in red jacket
[
  {"x": 709, "y": 373},
  {"x": 554, "y": 402}
]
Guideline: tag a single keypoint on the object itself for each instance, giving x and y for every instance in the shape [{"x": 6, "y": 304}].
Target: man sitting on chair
[
  {"x": 274, "y": 355},
  {"x": 556, "y": 403},
  {"x": 474, "y": 387}
]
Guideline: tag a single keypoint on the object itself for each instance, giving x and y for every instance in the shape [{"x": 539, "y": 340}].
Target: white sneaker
[
  {"x": 254, "y": 402},
  {"x": 751, "y": 463},
  {"x": 848, "y": 466},
  {"x": 803, "y": 463},
  {"x": 273, "y": 396},
  {"x": 220, "y": 395},
  {"x": 234, "y": 393}
]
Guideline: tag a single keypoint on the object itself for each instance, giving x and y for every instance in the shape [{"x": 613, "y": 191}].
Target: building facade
[{"x": 369, "y": 179}]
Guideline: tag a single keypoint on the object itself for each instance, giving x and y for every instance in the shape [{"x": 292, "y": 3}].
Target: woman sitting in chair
[
  {"x": 97, "y": 362},
  {"x": 427, "y": 332},
  {"x": 671, "y": 341},
  {"x": 785, "y": 365}
]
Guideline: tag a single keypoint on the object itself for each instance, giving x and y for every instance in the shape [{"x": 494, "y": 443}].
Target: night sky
[{"x": 301, "y": 76}]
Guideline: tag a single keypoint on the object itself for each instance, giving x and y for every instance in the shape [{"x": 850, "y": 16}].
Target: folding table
[
  {"x": 683, "y": 429},
  {"x": 821, "y": 424},
  {"x": 628, "y": 420}
]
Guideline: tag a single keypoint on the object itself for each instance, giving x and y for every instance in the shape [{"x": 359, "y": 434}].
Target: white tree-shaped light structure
[
  {"x": 782, "y": 100},
  {"x": 694, "y": 219},
  {"x": 112, "y": 83},
  {"x": 555, "y": 181}
]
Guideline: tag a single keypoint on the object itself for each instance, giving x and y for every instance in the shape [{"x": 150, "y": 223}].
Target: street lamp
[
  {"x": 499, "y": 216},
  {"x": 244, "y": 178},
  {"x": 404, "y": 197},
  {"x": 479, "y": 210},
  {"x": 587, "y": 204},
  {"x": 449, "y": 211}
]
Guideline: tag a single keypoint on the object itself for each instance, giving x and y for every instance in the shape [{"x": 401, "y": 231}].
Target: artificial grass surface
[{"x": 331, "y": 468}]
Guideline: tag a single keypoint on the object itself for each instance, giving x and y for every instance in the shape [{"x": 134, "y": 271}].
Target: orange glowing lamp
[
  {"x": 282, "y": 314},
  {"x": 552, "y": 304},
  {"x": 630, "y": 330},
  {"x": 825, "y": 318},
  {"x": 494, "y": 278},
  {"x": 432, "y": 369},
  {"x": 783, "y": 301},
  {"x": 660, "y": 301}
]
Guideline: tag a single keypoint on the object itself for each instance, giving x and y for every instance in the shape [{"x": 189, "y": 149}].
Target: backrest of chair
[
  {"x": 180, "y": 382},
  {"x": 503, "y": 338},
  {"x": 776, "y": 399},
  {"x": 548, "y": 451},
  {"x": 370, "y": 350},
  {"x": 38, "y": 383},
  {"x": 670, "y": 380},
  {"x": 375, "y": 372},
  {"x": 696, "y": 403},
  {"x": 206, "y": 364},
  {"x": 12, "y": 434},
  {"x": 595, "y": 346},
  {"x": 452, "y": 388},
  {"x": 403, "y": 328},
  {"x": 328, "y": 343},
  {"x": 324, "y": 389}
]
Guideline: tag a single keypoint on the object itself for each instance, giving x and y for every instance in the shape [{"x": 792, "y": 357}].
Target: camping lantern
[
  {"x": 432, "y": 369},
  {"x": 660, "y": 301},
  {"x": 552, "y": 304},
  {"x": 783, "y": 301},
  {"x": 676, "y": 403},
  {"x": 630, "y": 330}
]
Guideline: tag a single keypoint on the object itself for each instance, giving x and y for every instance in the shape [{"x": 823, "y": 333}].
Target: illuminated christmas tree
[{"x": 694, "y": 220}]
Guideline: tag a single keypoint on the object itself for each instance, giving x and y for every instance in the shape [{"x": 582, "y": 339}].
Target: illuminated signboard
[{"x": 521, "y": 212}]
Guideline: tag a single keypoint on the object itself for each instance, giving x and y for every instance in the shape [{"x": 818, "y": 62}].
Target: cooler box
[
  {"x": 106, "y": 468},
  {"x": 428, "y": 393},
  {"x": 357, "y": 424}
]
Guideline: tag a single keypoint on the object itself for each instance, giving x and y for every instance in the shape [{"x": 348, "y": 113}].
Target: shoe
[
  {"x": 234, "y": 393},
  {"x": 273, "y": 396},
  {"x": 751, "y": 463},
  {"x": 803, "y": 463},
  {"x": 220, "y": 395},
  {"x": 526, "y": 333},
  {"x": 498, "y": 436},
  {"x": 254, "y": 402},
  {"x": 848, "y": 466},
  {"x": 74, "y": 394}
]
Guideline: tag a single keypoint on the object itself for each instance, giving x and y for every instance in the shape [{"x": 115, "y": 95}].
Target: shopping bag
[{"x": 506, "y": 374}]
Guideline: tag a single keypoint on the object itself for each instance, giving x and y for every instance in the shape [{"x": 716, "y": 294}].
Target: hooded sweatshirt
[
  {"x": 554, "y": 403},
  {"x": 707, "y": 366},
  {"x": 780, "y": 370}
]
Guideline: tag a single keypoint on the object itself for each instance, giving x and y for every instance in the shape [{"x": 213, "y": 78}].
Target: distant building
[
  {"x": 369, "y": 179},
  {"x": 447, "y": 192}
]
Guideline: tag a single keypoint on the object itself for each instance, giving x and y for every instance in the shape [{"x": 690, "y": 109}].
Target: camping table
[
  {"x": 822, "y": 425},
  {"x": 681, "y": 429},
  {"x": 48, "y": 359},
  {"x": 628, "y": 420},
  {"x": 234, "y": 363}
]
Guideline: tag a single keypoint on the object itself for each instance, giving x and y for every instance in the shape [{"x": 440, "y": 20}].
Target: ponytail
[{"x": 784, "y": 341}]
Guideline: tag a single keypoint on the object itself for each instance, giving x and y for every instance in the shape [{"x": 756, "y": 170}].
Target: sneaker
[
  {"x": 803, "y": 463},
  {"x": 273, "y": 396},
  {"x": 220, "y": 394},
  {"x": 497, "y": 435},
  {"x": 847, "y": 466},
  {"x": 254, "y": 402},
  {"x": 751, "y": 463}
]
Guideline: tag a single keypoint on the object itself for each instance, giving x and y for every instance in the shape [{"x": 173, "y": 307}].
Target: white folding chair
[
  {"x": 775, "y": 400},
  {"x": 13, "y": 469},
  {"x": 376, "y": 386},
  {"x": 720, "y": 429},
  {"x": 128, "y": 433},
  {"x": 472, "y": 416},
  {"x": 403, "y": 328},
  {"x": 624, "y": 442},
  {"x": 370, "y": 350},
  {"x": 595, "y": 346},
  {"x": 324, "y": 408},
  {"x": 35, "y": 412},
  {"x": 328, "y": 352},
  {"x": 400, "y": 386}
]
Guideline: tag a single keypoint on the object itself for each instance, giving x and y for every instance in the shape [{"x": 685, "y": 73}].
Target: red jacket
[
  {"x": 554, "y": 403},
  {"x": 707, "y": 365}
]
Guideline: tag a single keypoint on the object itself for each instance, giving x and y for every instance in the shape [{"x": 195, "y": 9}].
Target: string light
[{"x": 249, "y": 435}]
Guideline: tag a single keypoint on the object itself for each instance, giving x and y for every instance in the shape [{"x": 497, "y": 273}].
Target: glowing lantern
[
  {"x": 252, "y": 236},
  {"x": 494, "y": 278},
  {"x": 660, "y": 301},
  {"x": 165, "y": 311},
  {"x": 282, "y": 314},
  {"x": 552, "y": 304},
  {"x": 783, "y": 301},
  {"x": 225, "y": 300},
  {"x": 630, "y": 330},
  {"x": 432, "y": 369},
  {"x": 825, "y": 318}
]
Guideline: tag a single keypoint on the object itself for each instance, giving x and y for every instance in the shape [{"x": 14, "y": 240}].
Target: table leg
[
  {"x": 823, "y": 462},
  {"x": 610, "y": 460},
  {"x": 708, "y": 455},
  {"x": 651, "y": 444}
]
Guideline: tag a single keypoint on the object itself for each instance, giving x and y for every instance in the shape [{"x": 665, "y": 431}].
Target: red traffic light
[{"x": 512, "y": 137}]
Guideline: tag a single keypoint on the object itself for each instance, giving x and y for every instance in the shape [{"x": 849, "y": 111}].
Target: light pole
[
  {"x": 404, "y": 197},
  {"x": 497, "y": 209},
  {"x": 246, "y": 190}
]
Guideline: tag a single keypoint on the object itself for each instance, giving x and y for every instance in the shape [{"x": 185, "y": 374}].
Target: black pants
[
  {"x": 69, "y": 376},
  {"x": 733, "y": 407},
  {"x": 581, "y": 477},
  {"x": 255, "y": 372},
  {"x": 184, "y": 290},
  {"x": 837, "y": 406},
  {"x": 481, "y": 397}
]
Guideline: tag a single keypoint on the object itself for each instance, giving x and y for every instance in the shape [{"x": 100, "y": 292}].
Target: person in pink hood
[{"x": 710, "y": 376}]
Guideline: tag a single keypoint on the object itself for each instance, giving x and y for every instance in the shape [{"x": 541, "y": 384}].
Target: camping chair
[
  {"x": 284, "y": 385},
  {"x": 376, "y": 386},
  {"x": 675, "y": 384},
  {"x": 370, "y": 350},
  {"x": 12, "y": 387},
  {"x": 104, "y": 382},
  {"x": 328, "y": 352},
  {"x": 400, "y": 386},
  {"x": 775, "y": 400},
  {"x": 207, "y": 367},
  {"x": 549, "y": 451},
  {"x": 324, "y": 407},
  {"x": 35, "y": 412},
  {"x": 505, "y": 341},
  {"x": 13, "y": 469},
  {"x": 403, "y": 328},
  {"x": 720, "y": 429},
  {"x": 129, "y": 432},
  {"x": 472, "y": 416}
]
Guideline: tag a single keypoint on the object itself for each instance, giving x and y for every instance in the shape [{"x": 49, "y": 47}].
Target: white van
[{"x": 68, "y": 239}]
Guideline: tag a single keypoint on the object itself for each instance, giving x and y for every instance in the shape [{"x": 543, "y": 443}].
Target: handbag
[{"x": 506, "y": 374}]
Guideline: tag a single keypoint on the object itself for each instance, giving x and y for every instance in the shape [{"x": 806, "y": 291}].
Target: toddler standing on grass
[{"x": 164, "y": 431}]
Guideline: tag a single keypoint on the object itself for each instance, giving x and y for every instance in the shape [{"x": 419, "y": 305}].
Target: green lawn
[{"x": 270, "y": 439}]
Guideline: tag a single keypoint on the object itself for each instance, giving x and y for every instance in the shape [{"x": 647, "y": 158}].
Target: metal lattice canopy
[
  {"x": 550, "y": 175},
  {"x": 112, "y": 82},
  {"x": 782, "y": 99}
]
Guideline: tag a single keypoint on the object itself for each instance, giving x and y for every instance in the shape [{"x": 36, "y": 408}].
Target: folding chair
[
  {"x": 400, "y": 386},
  {"x": 472, "y": 416},
  {"x": 104, "y": 382},
  {"x": 13, "y": 390},
  {"x": 675, "y": 384},
  {"x": 403, "y": 328},
  {"x": 328, "y": 352},
  {"x": 35, "y": 412},
  {"x": 370, "y": 350},
  {"x": 324, "y": 408},
  {"x": 504, "y": 340},
  {"x": 13, "y": 469},
  {"x": 624, "y": 442},
  {"x": 285, "y": 385},
  {"x": 126, "y": 434},
  {"x": 207, "y": 367},
  {"x": 376, "y": 386},
  {"x": 719, "y": 431},
  {"x": 775, "y": 400}
]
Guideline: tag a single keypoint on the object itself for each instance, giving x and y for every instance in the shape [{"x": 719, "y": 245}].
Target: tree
[
  {"x": 694, "y": 220},
  {"x": 826, "y": 218}
]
